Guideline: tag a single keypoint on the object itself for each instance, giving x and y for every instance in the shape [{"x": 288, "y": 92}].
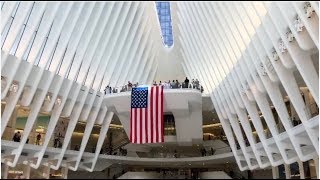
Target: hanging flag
[{"x": 146, "y": 119}]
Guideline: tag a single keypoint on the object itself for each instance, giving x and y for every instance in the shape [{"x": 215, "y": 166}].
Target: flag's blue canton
[{"x": 139, "y": 97}]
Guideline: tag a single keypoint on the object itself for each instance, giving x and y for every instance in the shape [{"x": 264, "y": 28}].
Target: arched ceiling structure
[{"x": 59, "y": 56}]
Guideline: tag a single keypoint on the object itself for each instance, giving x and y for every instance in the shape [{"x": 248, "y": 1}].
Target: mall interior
[{"x": 240, "y": 97}]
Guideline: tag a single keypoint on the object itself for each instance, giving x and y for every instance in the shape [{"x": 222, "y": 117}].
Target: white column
[
  {"x": 64, "y": 172},
  {"x": 316, "y": 164},
  {"x": 275, "y": 172},
  {"x": 287, "y": 170},
  {"x": 9, "y": 130},
  {"x": 301, "y": 169},
  {"x": 13, "y": 121},
  {"x": 26, "y": 171},
  {"x": 33, "y": 134},
  {"x": 46, "y": 172},
  {"x": 5, "y": 170}
]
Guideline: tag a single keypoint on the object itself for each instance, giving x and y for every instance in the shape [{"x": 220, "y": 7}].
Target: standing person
[
  {"x": 177, "y": 84},
  {"x": 129, "y": 86},
  {"x": 186, "y": 82},
  {"x": 169, "y": 85},
  {"x": 38, "y": 139},
  {"x": 175, "y": 154},
  {"x": 106, "y": 90},
  {"x": 155, "y": 83},
  {"x": 173, "y": 84},
  {"x": 55, "y": 143},
  {"x": 212, "y": 151},
  {"x": 197, "y": 83}
]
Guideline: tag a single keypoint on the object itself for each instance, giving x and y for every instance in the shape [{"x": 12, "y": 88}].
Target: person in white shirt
[{"x": 167, "y": 85}]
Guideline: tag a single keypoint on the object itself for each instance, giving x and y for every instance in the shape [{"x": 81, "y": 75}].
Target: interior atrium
[{"x": 159, "y": 90}]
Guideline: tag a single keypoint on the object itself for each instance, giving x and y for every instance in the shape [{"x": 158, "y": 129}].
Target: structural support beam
[
  {"x": 26, "y": 171},
  {"x": 5, "y": 170},
  {"x": 64, "y": 172},
  {"x": 316, "y": 164},
  {"x": 301, "y": 170},
  {"x": 287, "y": 170},
  {"x": 275, "y": 172},
  {"x": 46, "y": 172}
]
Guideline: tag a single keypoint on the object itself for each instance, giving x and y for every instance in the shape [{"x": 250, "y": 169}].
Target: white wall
[
  {"x": 214, "y": 175},
  {"x": 169, "y": 66},
  {"x": 140, "y": 175}
]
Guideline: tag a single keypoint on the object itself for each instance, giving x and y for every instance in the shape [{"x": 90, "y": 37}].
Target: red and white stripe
[{"x": 146, "y": 124}]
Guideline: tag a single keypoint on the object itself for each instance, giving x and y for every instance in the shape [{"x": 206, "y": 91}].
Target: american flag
[{"x": 146, "y": 120}]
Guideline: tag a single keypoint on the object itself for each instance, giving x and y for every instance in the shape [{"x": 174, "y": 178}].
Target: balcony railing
[{"x": 125, "y": 88}]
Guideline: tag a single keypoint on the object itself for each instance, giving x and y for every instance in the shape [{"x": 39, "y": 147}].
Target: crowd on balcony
[{"x": 174, "y": 84}]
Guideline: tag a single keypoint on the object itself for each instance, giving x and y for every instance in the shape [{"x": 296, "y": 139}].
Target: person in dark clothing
[
  {"x": 202, "y": 152},
  {"x": 17, "y": 137},
  {"x": 295, "y": 121},
  {"x": 231, "y": 174},
  {"x": 177, "y": 84},
  {"x": 38, "y": 139},
  {"x": 212, "y": 151},
  {"x": 55, "y": 143},
  {"x": 106, "y": 90},
  {"x": 186, "y": 82}
]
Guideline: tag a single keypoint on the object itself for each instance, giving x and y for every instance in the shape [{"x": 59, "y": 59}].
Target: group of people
[
  {"x": 204, "y": 152},
  {"x": 17, "y": 138},
  {"x": 128, "y": 87},
  {"x": 174, "y": 84}
]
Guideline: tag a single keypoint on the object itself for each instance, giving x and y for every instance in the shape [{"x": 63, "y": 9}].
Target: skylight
[{"x": 164, "y": 14}]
